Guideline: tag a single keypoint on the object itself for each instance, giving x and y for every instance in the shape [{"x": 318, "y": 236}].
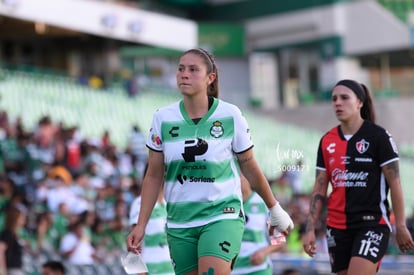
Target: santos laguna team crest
[
  {"x": 217, "y": 129},
  {"x": 362, "y": 146}
]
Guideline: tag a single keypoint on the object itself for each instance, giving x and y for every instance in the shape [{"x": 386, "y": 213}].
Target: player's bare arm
[
  {"x": 251, "y": 170},
  {"x": 318, "y": 199},
  {"x": 403, "y": 236},
  {"x": 391, "y": 171}
]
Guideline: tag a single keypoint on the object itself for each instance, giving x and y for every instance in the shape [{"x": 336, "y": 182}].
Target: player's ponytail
[{"x": 367, "y": 110}]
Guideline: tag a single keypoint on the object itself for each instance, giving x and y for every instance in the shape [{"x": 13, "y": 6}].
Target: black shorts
[{"x": 369, "y": 243}]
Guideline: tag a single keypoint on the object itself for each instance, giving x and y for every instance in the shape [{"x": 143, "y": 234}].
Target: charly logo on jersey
[
  {"x": 331, "y": 148},
  {"x": 362, "y": 146},
  {"x": 173, "y": 131},
  {"x": 217, "y": 129},
  {"x": 225, "y": 246}
]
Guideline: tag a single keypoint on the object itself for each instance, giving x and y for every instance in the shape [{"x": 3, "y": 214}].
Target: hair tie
[{"x": 354, "y": 86}]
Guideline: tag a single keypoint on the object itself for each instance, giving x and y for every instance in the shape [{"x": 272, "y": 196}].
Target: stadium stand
[
  {"x": 31, "y": 93},
  {"x": 400, "y": 8},
  {"x": 94, "y": 110},
  {"x": 68, "y": 102}
]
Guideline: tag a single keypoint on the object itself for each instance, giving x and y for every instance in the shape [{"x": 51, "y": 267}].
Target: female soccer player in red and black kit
[{"x": 360, "y": 160}]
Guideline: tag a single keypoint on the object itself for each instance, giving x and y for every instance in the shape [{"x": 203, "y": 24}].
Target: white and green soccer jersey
[
  {"x": 202, "y": 179},
  {"x": 155, "y": 250},
  {"x": 255, "y": 236}
]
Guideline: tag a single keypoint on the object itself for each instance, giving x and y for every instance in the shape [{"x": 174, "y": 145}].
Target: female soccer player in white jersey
[
  {"x": 256, "y": 248},
  {"x": 197, "y": 146},
  {"x": 155, "y": 250},
  {"x": 360, "y": 160}
]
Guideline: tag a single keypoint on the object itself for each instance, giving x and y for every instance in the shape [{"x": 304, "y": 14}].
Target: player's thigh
[
  {"x": 362, "y": 266},
  {"x": 340, "y": 248},
  {"x": 219, "y": 246},
  {"x": 371, "y": 243},
  {"x": 370, "y": 246},
  {"x": 211, "y": 265},
  {"x": 183, "y": 245},
  {"x": 221, "y": 239}
]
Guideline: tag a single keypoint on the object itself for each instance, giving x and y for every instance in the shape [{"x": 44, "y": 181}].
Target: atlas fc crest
[{"x": 362, "y": 146}]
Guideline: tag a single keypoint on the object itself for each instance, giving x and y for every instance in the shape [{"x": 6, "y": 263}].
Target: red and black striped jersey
[{"x": 359, "y": 190}]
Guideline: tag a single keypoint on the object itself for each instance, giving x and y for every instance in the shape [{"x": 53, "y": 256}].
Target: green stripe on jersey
[
  {"x": 193, "y": 211},
  {"x": 173, "y": 131},
  {"x": 253, "y": 236},
  {"x": 159, "y": 211},
  {"x": 243, "y": 261},
  {"x": 158, "y": 239},
  {"x": 160, "y": 268}
]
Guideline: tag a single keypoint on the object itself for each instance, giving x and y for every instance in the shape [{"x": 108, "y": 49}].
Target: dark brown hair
[{"x": 213, "y": 88}]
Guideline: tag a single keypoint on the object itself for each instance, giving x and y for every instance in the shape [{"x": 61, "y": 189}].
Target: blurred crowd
[
  {"x": 288, "y": 190},
  {"x": 73, "y": 191},
  {"x": 78, "y": 190}
]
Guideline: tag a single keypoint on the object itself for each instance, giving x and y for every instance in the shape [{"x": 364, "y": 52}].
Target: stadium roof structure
[
  {"x": 105, "y": 19},
  {"x": 139, "y": 51}
]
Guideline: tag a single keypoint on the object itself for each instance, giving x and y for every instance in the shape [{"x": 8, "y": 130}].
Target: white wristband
[{"x": 280, "y": 218}]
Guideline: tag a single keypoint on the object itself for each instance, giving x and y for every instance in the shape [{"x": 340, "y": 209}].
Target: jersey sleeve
[
  {"x": 154, "y": 141},
  {"x": 242, "y": 140},
  {"x": 387, "y": 151},
  {"x": 320, "y": 160}
]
